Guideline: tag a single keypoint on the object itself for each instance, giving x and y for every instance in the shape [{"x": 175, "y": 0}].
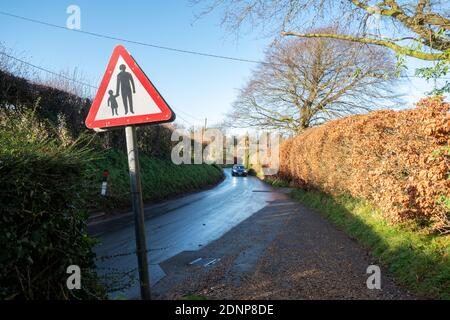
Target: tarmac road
[
  {"x": 183, "y": 224},
  {"x": 239, "y": 240}
]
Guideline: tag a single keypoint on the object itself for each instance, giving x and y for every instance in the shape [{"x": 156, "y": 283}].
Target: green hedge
[
  {"x": 160, "y": 179},
  {"x": 48, "y": 186},
  {"x": 42, "y": 225}
]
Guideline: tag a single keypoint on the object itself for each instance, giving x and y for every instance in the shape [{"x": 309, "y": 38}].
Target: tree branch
[{"x": 385, "y": 43}]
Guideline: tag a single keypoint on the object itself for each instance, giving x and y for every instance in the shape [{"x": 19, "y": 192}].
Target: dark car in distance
[{"x": 238, "y": 170}]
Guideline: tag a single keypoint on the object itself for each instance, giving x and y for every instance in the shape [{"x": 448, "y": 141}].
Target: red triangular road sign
[{"x": 126, "y": 96}]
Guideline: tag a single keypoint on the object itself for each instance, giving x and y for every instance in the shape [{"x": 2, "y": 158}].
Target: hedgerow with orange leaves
[{"x": 397, "y": 160}]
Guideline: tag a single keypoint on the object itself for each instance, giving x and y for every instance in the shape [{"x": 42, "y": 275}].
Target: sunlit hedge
[{"x": 400, "y": 161}]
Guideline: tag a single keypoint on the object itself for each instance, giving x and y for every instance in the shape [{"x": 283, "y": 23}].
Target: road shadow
[{"x": 426, "y": 274}]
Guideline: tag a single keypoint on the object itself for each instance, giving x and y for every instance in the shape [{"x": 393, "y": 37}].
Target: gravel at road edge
[{"x": 284, "y": 251}]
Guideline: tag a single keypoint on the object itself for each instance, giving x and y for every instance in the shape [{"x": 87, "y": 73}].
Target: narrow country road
[
  {"x": 240, "y": 240},
  {"x": 174, "y": 226}
]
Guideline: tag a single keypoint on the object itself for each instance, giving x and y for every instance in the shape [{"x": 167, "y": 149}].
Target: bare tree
[
  {"x": 305, "y": 82},
  {"x": 417, "y": 28}
]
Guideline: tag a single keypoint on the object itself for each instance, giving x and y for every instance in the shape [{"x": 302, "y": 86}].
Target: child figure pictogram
[{"x": 112, "y": 102}]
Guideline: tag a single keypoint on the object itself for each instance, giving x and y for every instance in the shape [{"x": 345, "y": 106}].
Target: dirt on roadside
[{"x": 284, "y": 251}]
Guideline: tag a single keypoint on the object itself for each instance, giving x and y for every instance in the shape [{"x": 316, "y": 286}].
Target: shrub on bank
[
  {"x": 399, "y": 161},
  {"x": 42, "y": 222},
  {"x": 160, "y": 179},
  {"x": 47, "y": 184}
]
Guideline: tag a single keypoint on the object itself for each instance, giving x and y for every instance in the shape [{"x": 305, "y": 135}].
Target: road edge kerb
[{"x": 93, "y": 225}]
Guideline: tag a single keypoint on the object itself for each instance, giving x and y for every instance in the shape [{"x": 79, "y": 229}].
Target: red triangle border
[{"x": 166, "y": 115}]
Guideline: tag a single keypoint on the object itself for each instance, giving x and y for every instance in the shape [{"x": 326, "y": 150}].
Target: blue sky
[{"x": 195, "y": 86}]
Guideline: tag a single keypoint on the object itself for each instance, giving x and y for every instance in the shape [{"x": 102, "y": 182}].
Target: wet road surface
[
  {"x": 183, "y": 224},
  {"x": 283, "y": 251}
]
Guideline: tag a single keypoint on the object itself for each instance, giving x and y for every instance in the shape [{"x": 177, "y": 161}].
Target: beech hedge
[{"x": 397, "y": 160}]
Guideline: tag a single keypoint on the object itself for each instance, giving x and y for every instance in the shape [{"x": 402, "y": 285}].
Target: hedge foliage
[
  {"x": 61, "y": 108},
  {"x": 49, "y": 180},
  {"x": 42, "y": 225},
  {"x": 160, "y": 179},
  {"x": 49, "y": 183},
  {"x": 399, "y": 161}
]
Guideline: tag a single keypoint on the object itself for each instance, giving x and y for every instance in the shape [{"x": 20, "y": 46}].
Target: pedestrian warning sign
[{"x": 126, "y": 96}]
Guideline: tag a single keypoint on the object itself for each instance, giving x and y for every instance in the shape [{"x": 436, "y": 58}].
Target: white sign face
[
  {"x": 120, "y": 100},
  {"x": 126, "y": 96}
]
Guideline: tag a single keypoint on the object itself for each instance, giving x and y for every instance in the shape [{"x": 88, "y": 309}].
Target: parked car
[{"x": 239, "y": 170}]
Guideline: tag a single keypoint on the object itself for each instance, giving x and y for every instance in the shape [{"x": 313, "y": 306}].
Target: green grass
[
  {"x": 160, "y": 179},
  {"x": 419, "y": 262},
  {"x": 276, "y": 182},
  {"x": 48, "y": 186}
]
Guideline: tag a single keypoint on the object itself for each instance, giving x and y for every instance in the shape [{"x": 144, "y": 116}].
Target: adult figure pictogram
[
  {"x": 141, "y": 100},
  {"x": 125, "y": 83}
]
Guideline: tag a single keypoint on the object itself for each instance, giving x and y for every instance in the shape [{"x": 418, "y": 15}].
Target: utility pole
[
  {"x": 138, "y": 209},
  {"x": 203, "y": 130}
]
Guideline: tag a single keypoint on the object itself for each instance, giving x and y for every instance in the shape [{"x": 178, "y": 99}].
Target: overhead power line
[
  {"x": 95, "y": 87},
  {"x": 98, "y": 35},
  {"x": 83, "y": 83},
  {"x": 48, "y": 71},
  {"x": 184, "y": 120},
  {"x": 190, "y": 116}
]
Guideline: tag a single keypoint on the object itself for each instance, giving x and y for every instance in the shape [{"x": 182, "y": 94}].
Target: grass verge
[
  {"x": 160, "y": 179},
  {"x": 420, "y": 262}
]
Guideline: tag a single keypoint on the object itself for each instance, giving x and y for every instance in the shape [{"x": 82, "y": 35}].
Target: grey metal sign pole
[{"x": 138, "y": 209}]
